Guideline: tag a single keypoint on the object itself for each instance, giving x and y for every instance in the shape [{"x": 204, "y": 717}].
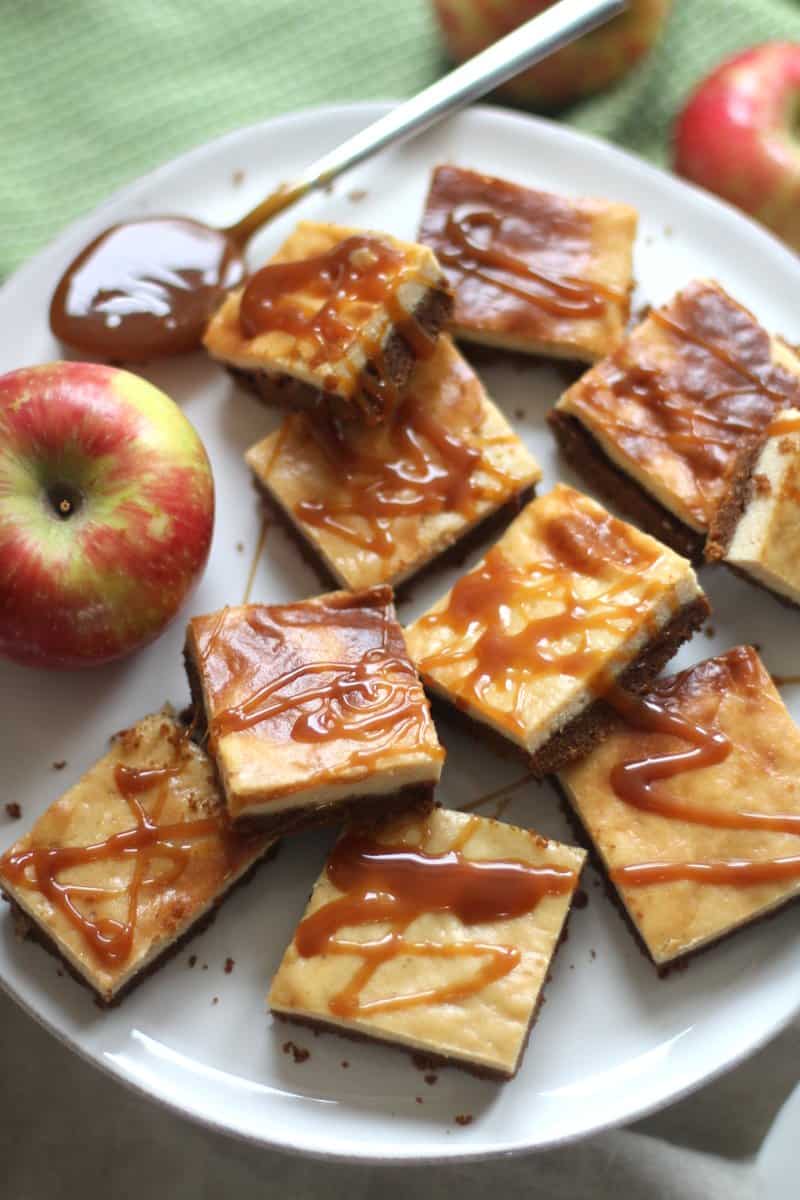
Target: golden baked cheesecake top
[
  {"x": 565, "y": 600},
  {"x": 125, "y": 862},
  {"x": 760, "y": 533},
  {"x": 324, "y": 309},
  {"x": 531, "y": 271},
  {"x": 379, "y": 502},
  {"x": 693, "y": 803},
  {"x": 312, "y": 703},
  {"x": 673, "y": 404},
  {"x": 435, "y": 934}
]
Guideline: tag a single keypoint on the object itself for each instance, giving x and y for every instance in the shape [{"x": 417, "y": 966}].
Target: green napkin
[{"x": 94, "y": 92}]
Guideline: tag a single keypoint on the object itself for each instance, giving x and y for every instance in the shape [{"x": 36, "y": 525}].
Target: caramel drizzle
[
  {"x": 635, "y": 783},
  {"x": 558, "y": 296},
  {"x": 784, "y": 423},
  {"x": 688, "y": 425},
  {"x": 376, "y": 700},
  {"x": 359, "y": 273},
  {"x": 111, "y": 941},
  {"x": 426, "y": 468},
  {"x": 684, "y": 333},
  {"x": 484, "y": 601},
  {"x": 398, "y": 884}
]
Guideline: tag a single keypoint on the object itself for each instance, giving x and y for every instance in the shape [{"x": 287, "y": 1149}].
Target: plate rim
[{"x": 411, "y": 1151}]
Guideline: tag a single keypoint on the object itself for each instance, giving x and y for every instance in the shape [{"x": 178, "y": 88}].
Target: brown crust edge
[
  {"x": 31, "y": 930},
  {"x": 284, "y": 391},
  {"x": 737, "y": 496},
  {"x": 416, "y": 797},
  {"x": 583, "y": 732},
  {"x": 681, "y": 961},
  {"x": 585, "y": 455},
  {"x": 367, "y": 810},
  {"x": 429, "y": 1060},
  {"x": 454, "y": 554}
]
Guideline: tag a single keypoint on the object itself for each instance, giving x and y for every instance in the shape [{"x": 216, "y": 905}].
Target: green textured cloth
[{"x": 94, "y": 92}]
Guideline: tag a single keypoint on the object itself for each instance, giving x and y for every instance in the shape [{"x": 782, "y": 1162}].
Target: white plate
[{"x": 613, "y": 1040}]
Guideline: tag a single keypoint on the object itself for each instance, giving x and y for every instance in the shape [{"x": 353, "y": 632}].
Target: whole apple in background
[
  {"x": 106, "y": 513},
  {"x": 589, "y": 65},
  {"x": 739, "y": 136}
]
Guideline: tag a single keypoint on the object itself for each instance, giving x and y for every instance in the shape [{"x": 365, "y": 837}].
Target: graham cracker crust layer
[
  {"x": 583, "y": 732},
  {"x": 284, "y": 391},
  {"x": 586, "y": 456}
]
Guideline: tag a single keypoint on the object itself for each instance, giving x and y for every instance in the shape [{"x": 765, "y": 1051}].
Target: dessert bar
[
  {"x": 531, "y": 271},
  {"x": 376, "y": 504},
  {"x": 693, "y": 803},
  {"x": 313, "y": 710},
  {"x": 435, "y": 934},
  {"x": 569, "y": 600},
  {"x": 658, "y": 426},
  {"x": 129, "y": 861},
  {"x": 335, "y": 320}
]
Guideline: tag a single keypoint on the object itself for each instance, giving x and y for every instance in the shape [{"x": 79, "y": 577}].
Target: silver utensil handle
[{"x": 533, "y": 41}]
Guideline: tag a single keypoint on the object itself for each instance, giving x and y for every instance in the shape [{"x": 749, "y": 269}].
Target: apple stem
[{"x": 65, "y": 499}]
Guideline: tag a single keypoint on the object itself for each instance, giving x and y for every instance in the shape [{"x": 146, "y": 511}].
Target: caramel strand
[
  {"x": 635, "y": 783},
  {"x": 487, "y": 260},
  {"x": 423, "y": 467}
]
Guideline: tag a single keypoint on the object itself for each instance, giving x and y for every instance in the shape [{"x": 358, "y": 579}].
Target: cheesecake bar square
[
  {"x": 531, "y": 271},
  {"x": 378, "y": 503},
  {"x": 568, "y": 601},
  {"x": 658, "y": 425},
  {"x": 756, "y": 529},
  {"x": 313, "y": 710},
  {"x": 693, "y": 804},
  {"x": 129, "y": 861},
  {"x": 434, "y": 934},
  {"x": 335, "y": 320}
]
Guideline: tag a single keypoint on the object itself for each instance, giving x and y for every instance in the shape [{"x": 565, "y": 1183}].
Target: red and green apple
[
  {"x": 739, "y": 136},
  {"x": 589, "y": 65},
  {"x": 106, "y": 513}
]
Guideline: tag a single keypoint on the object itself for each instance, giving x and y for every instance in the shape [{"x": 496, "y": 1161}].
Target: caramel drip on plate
[
  {"x": 420, "y": 467},
  {"x": 498, "y": 798},
  {"x": 474, "y": 247},
  {"x": 111, "y": 941},
  {"x": 635, "y": 782},
  {"x": 398, "y": 884},
  {"x": 348, "y": 282},
  {"x": 578, "y": 545}
]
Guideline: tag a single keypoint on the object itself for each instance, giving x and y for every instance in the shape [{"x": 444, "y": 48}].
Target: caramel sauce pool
[{"x": 145, "y": 289}]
